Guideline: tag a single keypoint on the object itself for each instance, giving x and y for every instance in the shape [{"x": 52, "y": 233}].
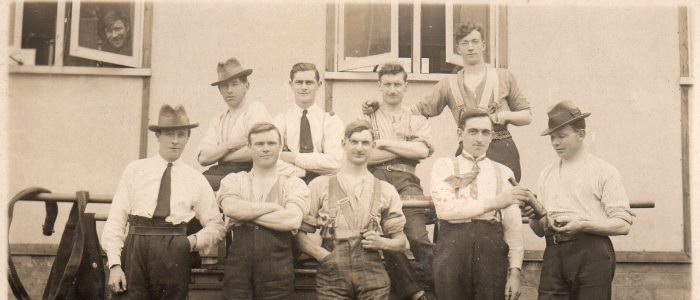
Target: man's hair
[
  {"x": 392, "y": 68},
  {"x": 300, "y": 67},
  {"x": 464, "y": 29},
  {"x": 579, "y": 125},
  {"x": 263, "y": 127},
  {"x": 357, "y": 126},
  {"x": 470, "y": 114},
  {"x": 109, "y": 18}
]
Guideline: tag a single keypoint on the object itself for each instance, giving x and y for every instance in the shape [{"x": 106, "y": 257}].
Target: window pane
[
  {"x": 406, "y": 35},
  {"x": 367, "y": 29},
  {"x": 39, "y": 30},
  {"x": 433, "y": 38}
]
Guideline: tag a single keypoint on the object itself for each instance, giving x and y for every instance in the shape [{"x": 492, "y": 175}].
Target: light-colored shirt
[
  {"x": 392, "y": 218},
  {"x": 233, "y": 126},
  {"x": 405, "y": 126},
  {"x": 461, "y": 207},
  {"x": 137, "y": 194},
  {"x": 326, "y": 135},
  {"x": 238, "y": 186},
  {"x": 591, "y": 189}
]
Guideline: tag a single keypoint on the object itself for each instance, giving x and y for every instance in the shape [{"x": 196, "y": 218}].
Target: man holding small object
[{"x": 586, "y": 202}]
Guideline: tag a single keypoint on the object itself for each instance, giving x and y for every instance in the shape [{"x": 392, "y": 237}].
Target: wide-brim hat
[
  {"x": 562, "y": 114},
  {"x": 230, "y": 69},
  {"x": 172, "y": 118}
]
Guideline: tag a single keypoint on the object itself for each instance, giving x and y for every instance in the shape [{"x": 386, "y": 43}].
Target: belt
[
  {"x": 501, "y": 134},
  {"x": 239, "y": 225},
  {"x": 561, "y": 238},
  {"x": 396, "y": 167},
  {"x": 157, "y": 230},
  {"x": 475, "y": 220}
]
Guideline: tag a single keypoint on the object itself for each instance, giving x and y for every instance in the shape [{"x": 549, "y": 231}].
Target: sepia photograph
[{"x": 349, "y": 149}]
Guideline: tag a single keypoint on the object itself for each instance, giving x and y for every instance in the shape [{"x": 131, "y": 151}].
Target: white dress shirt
[
  {"x": 137, "y": 194},
  {"x": 233, "y": 126}
]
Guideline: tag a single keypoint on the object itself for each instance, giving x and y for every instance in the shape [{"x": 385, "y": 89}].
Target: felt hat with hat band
[
  {"x": 562, "y": 114},
  {"x": 172, "y": 118},
  {"x": 230, "y": 69}
]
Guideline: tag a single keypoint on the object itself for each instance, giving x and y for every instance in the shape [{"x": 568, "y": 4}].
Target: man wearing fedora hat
[
  {"x": 225, "y": 142},
  {"x": 586, "y": 203},
  {"x": 157, "y": 197}
]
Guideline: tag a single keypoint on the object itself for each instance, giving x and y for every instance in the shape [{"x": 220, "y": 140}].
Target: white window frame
[
  {"x": 364, "y": 62},
  {"x": 94, "y": 54}
]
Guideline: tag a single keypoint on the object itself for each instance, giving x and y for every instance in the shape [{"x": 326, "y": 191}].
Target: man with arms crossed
[
  {"x": 264, "y": 208},
  {"x": 157, "y": 197},
  {"x": 355, "y": 211},
  {"x": 586, "y": 203},
  {"x": 310, "y": 137},
  {"x": 402, "y": 140},
  {"x": 479, "y": 253}
]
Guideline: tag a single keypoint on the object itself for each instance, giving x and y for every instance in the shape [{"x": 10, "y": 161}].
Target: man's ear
[
  {"x": 582, "y": 133},
  {"x": 459, "y": 132}
]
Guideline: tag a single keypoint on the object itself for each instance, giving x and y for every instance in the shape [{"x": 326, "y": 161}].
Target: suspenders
[
  {"x": 489, "y": 96},
  {"x": 338, "y": 200},
  {"x": 499, "y": 185}
]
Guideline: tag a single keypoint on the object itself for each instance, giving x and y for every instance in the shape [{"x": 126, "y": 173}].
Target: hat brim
[
  {"x": 245, "y": 72},
  {"x": 548, "y": 131},
  {"x": 158, "y": 128}
]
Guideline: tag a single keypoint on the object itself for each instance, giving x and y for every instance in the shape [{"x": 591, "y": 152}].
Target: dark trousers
[
  {"x": 259, "y": 264},
  {"x": 351, "y": 272},
  {"x": 578, "y": 270},
  {"x": 156, "y": 266},
  {"x": 403, "y": 277},
  {"x": 502, "y": 151},
  {"x": 471, "y": 261}
]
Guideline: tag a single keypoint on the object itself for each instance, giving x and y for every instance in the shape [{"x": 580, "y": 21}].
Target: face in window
[
  {"x": 471, "y": 47},
  {"x": 305, "y": 87},
  {"x": 117, "y": 33},
  {"x": 171, "y": 142},
  {"x": 358, "y": 147},
  {"x": 567, "y": 141},
  {"x": 233, "y": 91},
  {"x": 393, "y": 87},
  {"x": 477, "y": 135},
  {"x": 265, "y": 148}
]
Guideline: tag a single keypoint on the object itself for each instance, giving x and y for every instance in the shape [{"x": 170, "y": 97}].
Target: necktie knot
[{"x": 304, "y": 112}]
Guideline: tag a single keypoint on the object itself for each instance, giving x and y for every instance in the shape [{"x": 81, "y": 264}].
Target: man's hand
[
  {"x": 513, "y": 284},
  {"x": 506, "y": 199},
  {"x": 566, "y": 224},
  {"x": 117, "y": 280},
  {"x": 372, "y": 240},
  {"x": 370, "y": 106},
  {"x": 499, "y": 118}
]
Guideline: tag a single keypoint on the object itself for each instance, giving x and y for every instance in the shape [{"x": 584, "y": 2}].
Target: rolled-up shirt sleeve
[
  {"x": 318, "y": 192},
  {"x": 433, "y": 104},
  {"x": 297, "y": 193},
  {"x": 516, "y": 98},
  {"x": 421, "y": 133},
  {"x": 210, "y": 137},
  {"x": 513, "y": 235},
  {"x": 207, "y": 212},
  {"x": 393, "y": 219},
  {"x": 614, "y": 198},
  {"x": 114, "y": 231}
]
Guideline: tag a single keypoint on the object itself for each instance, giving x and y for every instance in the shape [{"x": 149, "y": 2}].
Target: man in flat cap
[
  {"x": 586, "y": 202},
  {"x": 225, "y": 142},
  {"x": 157, "y": 197}
]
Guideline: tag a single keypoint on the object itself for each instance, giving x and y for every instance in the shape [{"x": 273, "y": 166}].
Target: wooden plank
[
  {"x": 330, "y": 53},
  {"x": 146, "y": 88},
  {"x": 502, "y": 36},
  {"x": 683, "y": 41},
  {"x": 67, "y": 70},
  {"x": 684, "y": 53}
]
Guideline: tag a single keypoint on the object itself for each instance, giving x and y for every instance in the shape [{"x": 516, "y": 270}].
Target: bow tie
[{"x": 465, "y": 179}]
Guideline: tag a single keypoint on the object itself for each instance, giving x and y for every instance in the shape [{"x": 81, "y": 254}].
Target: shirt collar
[
  {"x": 164, "y": 162},
  {"x": 312, "y": 109},
  {"x": 471, "y": 157}
]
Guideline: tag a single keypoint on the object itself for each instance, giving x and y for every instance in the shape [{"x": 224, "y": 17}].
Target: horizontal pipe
[{"x": 413, "y": 203}]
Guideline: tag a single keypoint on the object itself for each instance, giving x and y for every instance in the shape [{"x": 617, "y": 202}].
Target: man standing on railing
[
  {"x": 355, "y": 211},
  {"x": 310, "y": 136},
  {"x": 402, "y": 140},
  {"x": 225, "y": 140},
  {"x": 157, "y": 197},
  {"x": 479, "y": 254},
  {"x": 265, "y": 208},
  {"x": 586, "y": 203}
]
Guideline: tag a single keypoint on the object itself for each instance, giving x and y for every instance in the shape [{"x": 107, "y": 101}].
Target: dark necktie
[
  {"x": 163, "y": 206},
  {"x": 306, "y": 144}
]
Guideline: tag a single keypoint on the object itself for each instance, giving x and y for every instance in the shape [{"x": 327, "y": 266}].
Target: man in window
[
  {"x": 311, "y": 137},
  {"x": 359, "y": 215},
  {"x": 264, "y": 208},
  {"x": 479, "y": 254},
  {"x": 115, "y": 33},
  {"x": 479, "y": 85},
  {"x": 586, "y": 203},
  {"x": 225, "y": 142},
  {"x": 157, "y": 197},
  {"x": 402, "y": 140}
]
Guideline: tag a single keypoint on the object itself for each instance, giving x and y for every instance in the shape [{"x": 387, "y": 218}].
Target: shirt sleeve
[
  {"x": 327, "y": 162},
  {"x": 516, "y": 99},
  {"x": 207, "y": 212},
  {"x": 318, "y": 192},
  {"x": 210, "y": 137},
  {"x": 421, "y": 133},
  {"x": 230, "y": 190},
  {"x": 614, "y": 198},
  {"x": 512, "y": 225},
  {"x": 433, "y": 104},
  {"x": 114, "y": 231},
  {"x": 449, "y": 206},
  {"x": 297, "y": 193},
  {"x": 393, "y": 219}
]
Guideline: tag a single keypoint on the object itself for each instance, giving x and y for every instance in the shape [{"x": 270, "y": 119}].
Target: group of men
[{"x": 277, "y": 181}]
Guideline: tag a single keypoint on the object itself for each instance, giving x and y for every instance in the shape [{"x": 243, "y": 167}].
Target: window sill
[
  {"x": 372, "y": 76},
  {"x": 62, "y": 70}
]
